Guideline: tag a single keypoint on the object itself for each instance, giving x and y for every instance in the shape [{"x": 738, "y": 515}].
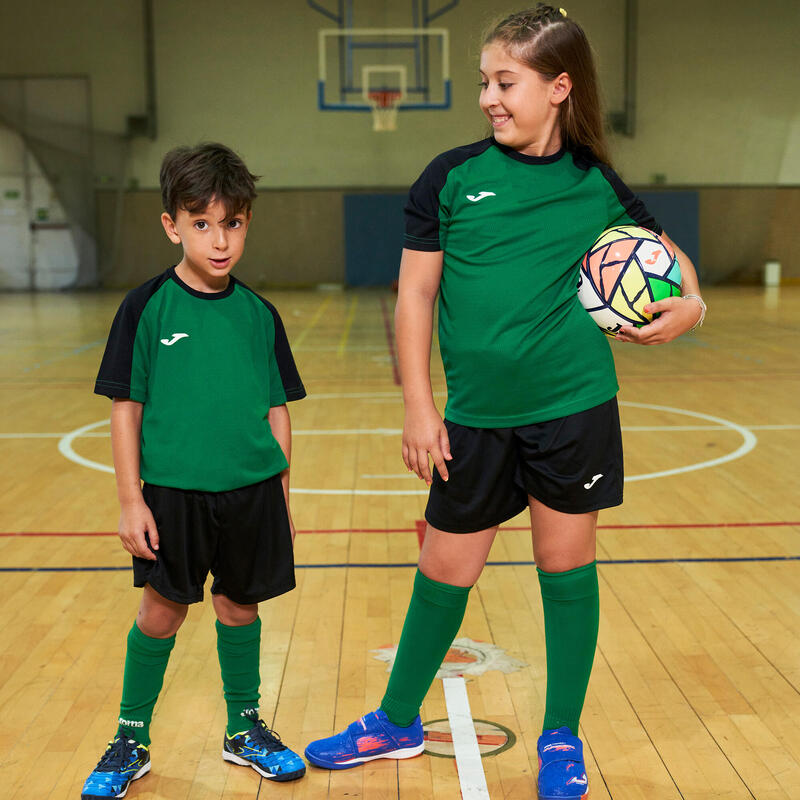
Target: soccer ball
[{"x": 624, "y": 270}]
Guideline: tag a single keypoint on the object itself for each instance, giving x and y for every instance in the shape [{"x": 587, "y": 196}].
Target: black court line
[{"x": 604, "y": 561}]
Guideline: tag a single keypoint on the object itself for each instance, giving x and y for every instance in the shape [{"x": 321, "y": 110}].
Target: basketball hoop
[{"x": 384, "y": 109}]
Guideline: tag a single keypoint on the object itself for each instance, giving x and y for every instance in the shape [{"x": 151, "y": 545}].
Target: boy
[{"x": 199, "y": 370}]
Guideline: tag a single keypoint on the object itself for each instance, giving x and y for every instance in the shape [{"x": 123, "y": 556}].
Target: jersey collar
[
  {"x": 525, "y": 159},
  {"x": 226, "y": 292}
]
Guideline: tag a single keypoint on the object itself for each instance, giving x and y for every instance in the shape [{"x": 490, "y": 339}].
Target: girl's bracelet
[{"x": 703, "y": 308}]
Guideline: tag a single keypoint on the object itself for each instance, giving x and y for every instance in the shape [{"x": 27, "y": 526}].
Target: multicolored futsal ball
[{"x": 624, "y": 270}]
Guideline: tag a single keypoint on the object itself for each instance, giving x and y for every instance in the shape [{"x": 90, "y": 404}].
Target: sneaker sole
[
  {"x": 280, "y": 776},
  {"x": 143, "y": 771},
  {"x": 407, "y": 752},
  {"x": 561, "y": 797}
]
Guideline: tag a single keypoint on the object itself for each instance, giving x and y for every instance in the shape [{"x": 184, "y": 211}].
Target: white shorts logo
[{"x": 593, "y": 481}]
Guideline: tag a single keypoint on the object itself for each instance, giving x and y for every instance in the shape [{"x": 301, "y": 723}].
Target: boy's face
[{"x": 212, "y": 244}]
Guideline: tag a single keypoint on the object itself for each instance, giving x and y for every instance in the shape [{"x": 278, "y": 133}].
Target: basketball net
[{"x": 384, "y": 109}]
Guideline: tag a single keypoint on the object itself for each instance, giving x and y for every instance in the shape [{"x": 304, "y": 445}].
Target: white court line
[
  {"x": 65, "y": 447},
  {"x": 748, "y": 443},
  {"x": 362, "y": 395},
  {"x": 673, "y": 428},
  {"x": 360, "y": 348},
  {"x": 359, "y": 492},
  {"x": 391, "y": 475},
  {"x": 349, "y": 432},
  {"x": 52, "y": 435},
  {"x": 465, "y": 741},
  {"x": 398, "y": 431}
]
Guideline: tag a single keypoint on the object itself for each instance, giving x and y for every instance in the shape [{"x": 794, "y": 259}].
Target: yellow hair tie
[{"x": 563, "y": 12}]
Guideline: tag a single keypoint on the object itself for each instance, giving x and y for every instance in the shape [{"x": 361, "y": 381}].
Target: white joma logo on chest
[
  {"x": 175, "y": 338},
  {"x": 475, "y": 197}
]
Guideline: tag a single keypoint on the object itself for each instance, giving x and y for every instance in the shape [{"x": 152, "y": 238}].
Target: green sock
[
  {"x": 238, "y": 647},
  {"x": 145, "y": 664},
  {"x": 571, "y": 602},
  {"x": 432, "y": 621}
]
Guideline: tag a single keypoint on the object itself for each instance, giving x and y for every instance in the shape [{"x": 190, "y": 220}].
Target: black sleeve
[
  {"x": 289, "y": 376},
  {"x": 422, "y": 209},
  {"x": 633, "y": 206},
  {"x": 115, "y": 378}
]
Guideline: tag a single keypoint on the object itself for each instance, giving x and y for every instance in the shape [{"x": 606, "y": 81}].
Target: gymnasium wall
[
  {"x": 298, "y": 236},
  {"x": 717, "y": 106}
]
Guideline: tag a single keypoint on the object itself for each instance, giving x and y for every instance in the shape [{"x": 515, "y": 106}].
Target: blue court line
[{"x": 604, "y": 561}]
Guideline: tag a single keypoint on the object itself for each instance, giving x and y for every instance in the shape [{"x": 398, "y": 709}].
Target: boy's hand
[
  {"x": 424, "y": 432},
  {"x": 135, "y": 521}
]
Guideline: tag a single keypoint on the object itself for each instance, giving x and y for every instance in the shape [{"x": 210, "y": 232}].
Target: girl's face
[{"x": 521, "y": 105}]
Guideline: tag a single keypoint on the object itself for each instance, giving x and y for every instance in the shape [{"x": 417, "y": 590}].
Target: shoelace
[
  {"x": 264, "y": 735},
  {"x": 117, "y": 755}
]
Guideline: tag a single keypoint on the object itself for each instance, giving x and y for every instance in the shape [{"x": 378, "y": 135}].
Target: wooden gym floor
[{"x": 695, "y": 690}]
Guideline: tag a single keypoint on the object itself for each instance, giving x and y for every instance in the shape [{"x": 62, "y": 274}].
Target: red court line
[
  {"x": 421, "y": 526},
  {"x": 649, "y": 526},
  {"x": 419, "y": 529},
  {"x": 387, "y": 324},
  {"x": 113, "y": 533},
  {"x": 56, "y": 533},
  {"x": 679, "y": 526}
]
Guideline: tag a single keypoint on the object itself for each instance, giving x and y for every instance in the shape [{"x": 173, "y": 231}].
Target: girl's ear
[{"x": 562, "y": 86}]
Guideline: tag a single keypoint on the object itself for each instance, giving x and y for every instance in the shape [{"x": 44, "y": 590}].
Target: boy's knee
[
  {"x": 158, "y": 617},
  {"x": 159, "y": 623},
  {"x": 234, "y": 614}
]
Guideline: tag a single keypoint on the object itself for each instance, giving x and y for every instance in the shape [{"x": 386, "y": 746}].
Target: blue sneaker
[
  {"x": 263, "y": 750},
  {"x": 562, "y": 774},
  {"x": 373, "y": 736},
  {"x": 124, "y": 761}
]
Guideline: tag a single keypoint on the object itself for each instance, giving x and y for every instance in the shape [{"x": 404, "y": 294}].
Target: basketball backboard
[{"x": 356, "y": 63}]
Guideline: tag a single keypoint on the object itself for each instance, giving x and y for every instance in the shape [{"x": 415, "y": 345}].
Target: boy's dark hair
[{"x": 191, "y": 177}]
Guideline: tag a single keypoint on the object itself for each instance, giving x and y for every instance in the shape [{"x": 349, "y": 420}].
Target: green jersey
[
  {"x": 516, "y": 344},
  {"x": 207, "y": 367}
]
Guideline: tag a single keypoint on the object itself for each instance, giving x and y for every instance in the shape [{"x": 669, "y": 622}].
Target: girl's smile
[{"x": 521, "y": 105}]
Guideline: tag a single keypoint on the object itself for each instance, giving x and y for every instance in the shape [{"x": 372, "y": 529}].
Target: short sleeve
[
  {"x": 284, "y": 379},
  {"x": 632, "y": 206},
  {"x": 422, "y": 210},
  {"x": 123, "y": 370}
]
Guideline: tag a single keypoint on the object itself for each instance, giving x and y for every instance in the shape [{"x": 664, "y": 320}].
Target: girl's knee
[
  {"x": 450, "y": 572},
  {"x": 563, "y": 562},
  {"x": 455, "y": 558}
]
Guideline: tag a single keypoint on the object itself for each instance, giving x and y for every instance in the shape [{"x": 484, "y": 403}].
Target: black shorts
[
  {"x": 242, "y": 537},
  {"x": 572, "y": 464}
]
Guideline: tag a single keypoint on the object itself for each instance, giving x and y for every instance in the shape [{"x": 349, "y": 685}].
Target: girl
[{"x": 496, "y": 229}]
